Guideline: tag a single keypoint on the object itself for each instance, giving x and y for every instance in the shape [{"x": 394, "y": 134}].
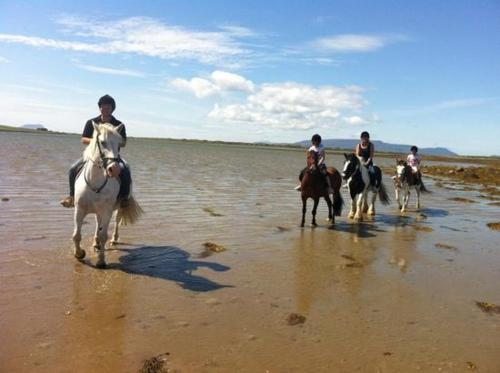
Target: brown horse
[{"x": 313, "y": 185}]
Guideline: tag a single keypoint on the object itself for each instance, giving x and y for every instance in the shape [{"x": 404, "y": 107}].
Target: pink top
[
  {"x": 413, "y": 160},
  {"x": 321, "y": 153}
]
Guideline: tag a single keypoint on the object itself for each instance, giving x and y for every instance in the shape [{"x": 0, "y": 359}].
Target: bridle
[
  {"x": 356, "y": 168},
  {"x": 103, "y": 163}
]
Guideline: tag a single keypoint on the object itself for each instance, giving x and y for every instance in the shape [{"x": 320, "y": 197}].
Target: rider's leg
[
  {"x": 73, "y": 172},
  {"x": 125, "y": 182}
]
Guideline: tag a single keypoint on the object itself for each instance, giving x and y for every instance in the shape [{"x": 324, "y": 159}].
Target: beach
[{"x": 397, "y": 292}]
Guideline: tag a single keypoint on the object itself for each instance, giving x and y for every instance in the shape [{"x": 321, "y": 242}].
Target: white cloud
[
  {"x": 198, "y": 86},
  {"x": 106, "y": 70},
  {"x": 293, "y": 106},
  {"x": 355, "y": 120},
  {"x": 4, "y": 60},
  {"x": 354, "y": 42},
  {"x": 219, "y": 81},
  {"x": 231, "y": 82},
  {"x": 143, "y": 36}
]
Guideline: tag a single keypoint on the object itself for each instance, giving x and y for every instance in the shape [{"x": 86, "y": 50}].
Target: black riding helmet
[
  {"x": 107, "y": 100},
  {"x": 414, "y": 148},
  {"x": 316, "y": 138},
  {"x": 365, "y": 134}
]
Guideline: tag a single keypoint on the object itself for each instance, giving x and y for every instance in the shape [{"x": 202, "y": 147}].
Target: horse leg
[
  {"x": 352, "y": 212},
  {"x": 365, "y": 205},
  {"x": 315, "y": 207},
  {"x": 304, "y": 208},
  {"x": 396, "y": 191},
  {"x": 417, "y": 190},
  {"x": 371, "y": 210},
  {"x": 330, "y": 212},
  {"x": 359, "y": 207},
  {"x": 115, "y": 237},
  {"x": 102, "y": 237},
  {"x": 77, "y": 233},
  {"x": 406, "y": 199}
]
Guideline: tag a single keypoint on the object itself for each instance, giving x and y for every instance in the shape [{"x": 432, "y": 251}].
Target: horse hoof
[
  {"x": 114, "y": 242},
  {"x": 372, "y": 213},
  {"x": 101, "y": 265},
  {"x": 358, "y": 218},
  {"x": 80, "y": 254},
  {"x": 351, "y": 216}
]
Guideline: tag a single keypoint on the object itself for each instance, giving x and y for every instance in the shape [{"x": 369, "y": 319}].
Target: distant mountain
[
  {"x": 34, "y": 127},
  {"x": 350, "y": 144}
]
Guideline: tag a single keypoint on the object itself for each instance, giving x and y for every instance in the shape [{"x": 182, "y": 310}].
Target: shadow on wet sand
[
  {"x": 362, "y": 230},
  {"x": 168, "y": 263}
]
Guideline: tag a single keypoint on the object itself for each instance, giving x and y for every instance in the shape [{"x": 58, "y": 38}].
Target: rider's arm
[
  {"x": 86, "y": 140},
  {"x": 372, "y": 151},
  {"x": 358, "y": 150}
]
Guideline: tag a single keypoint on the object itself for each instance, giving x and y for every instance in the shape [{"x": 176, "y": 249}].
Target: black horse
[{"x": 360, "y": 181}]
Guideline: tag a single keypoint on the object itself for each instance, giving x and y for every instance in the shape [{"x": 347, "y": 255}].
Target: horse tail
[
  {"x": 338, "y": 202},
  {"x": 382, "y": 194},
  {"x": 131, "y": 213}
]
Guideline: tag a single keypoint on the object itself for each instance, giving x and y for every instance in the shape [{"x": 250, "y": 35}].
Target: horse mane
[{"x": 89, "y": 150}]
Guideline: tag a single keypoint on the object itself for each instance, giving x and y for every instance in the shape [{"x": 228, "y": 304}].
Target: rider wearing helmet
[
  {"x": 106, "y": 106},
  {"x": 319, "y": 149},
  {"x": 365, "y": 150}
]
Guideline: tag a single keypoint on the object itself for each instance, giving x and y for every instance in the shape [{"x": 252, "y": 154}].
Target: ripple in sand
[
  {"x": 461, "y": 199},
  {"x": 445, "y": 246},
  {"x": 211, "y": 211}
]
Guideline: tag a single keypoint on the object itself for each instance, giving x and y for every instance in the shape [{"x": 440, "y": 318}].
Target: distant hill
[
  {"x": 350, "y": 144},
  {"x": 38, "y": 127}
]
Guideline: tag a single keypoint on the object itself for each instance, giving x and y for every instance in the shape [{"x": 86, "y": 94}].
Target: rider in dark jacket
[{"x": 106, "y": 106}]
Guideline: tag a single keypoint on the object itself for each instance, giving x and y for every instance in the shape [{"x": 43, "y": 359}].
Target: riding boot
[{"x": 72, "y": 174}]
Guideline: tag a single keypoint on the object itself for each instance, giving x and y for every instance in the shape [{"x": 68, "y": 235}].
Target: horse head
[
  {"x": 403, "y": 170},
  {"x": 104, "y": 148},
  {"x": 351, "y": 164}
]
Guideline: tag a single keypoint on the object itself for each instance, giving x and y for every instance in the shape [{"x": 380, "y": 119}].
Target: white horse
[
  {"x": 96, "y": 191},
  {"x": 360, "y": 183},
  {"x": 404, "y": 181}
]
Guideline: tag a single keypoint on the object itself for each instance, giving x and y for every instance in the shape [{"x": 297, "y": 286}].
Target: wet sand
[{"x": 386, "y": 295}]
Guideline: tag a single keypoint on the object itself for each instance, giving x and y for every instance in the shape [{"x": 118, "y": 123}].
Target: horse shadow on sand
[
  {"x": 360, "y": 229},
  {"x": 168, "y": 263}
]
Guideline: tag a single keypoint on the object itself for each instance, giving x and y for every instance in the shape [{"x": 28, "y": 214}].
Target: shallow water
[{"x": 377, "y": 296}]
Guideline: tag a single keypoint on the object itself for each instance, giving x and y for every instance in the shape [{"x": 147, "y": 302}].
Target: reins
[{"x": 104, "y": 163}]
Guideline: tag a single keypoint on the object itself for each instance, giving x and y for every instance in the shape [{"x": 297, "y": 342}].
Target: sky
[{"x": 411, "y": 72}]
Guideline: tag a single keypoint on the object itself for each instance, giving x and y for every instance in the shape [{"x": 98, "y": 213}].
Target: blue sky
[{"x": 423, "y": 73}]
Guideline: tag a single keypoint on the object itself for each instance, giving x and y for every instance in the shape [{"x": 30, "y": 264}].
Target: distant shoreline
[{"x": 277, "y": 146}]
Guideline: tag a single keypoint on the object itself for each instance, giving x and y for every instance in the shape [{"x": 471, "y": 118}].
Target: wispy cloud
[
  {"x": 107, "y": 70},
  {"x": 447, "y": 105},
  {"x": 4, "y": 60},
  {"x": 354, "y": 43},
  {"x": 144, "y": 36}
]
